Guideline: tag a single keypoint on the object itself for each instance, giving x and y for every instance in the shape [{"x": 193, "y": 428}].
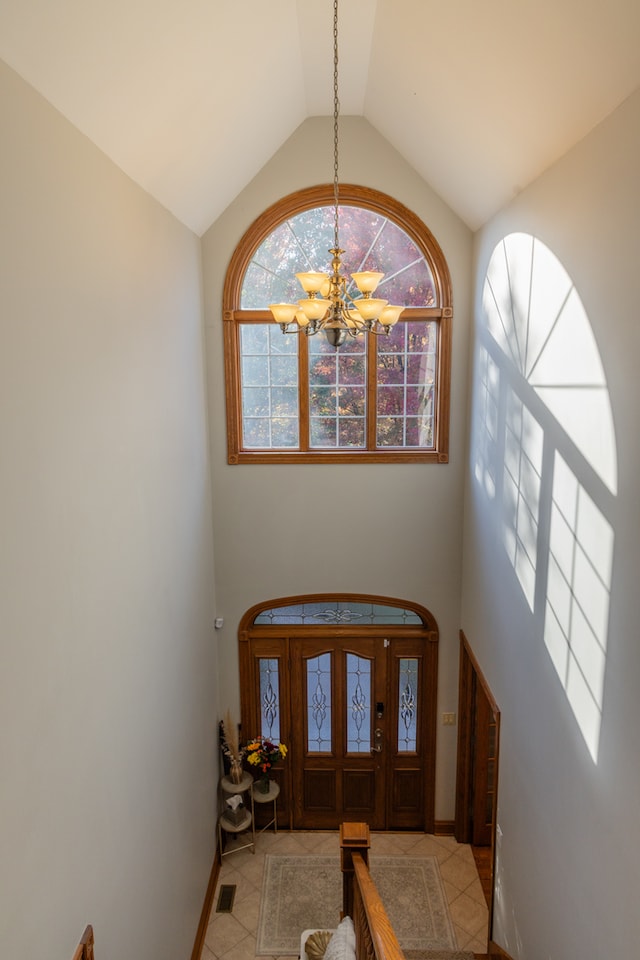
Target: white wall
[
  {"x": 107, "y": 674},
  {"x": 570, "y": 845},
  {"x": 380, "y": 529}
]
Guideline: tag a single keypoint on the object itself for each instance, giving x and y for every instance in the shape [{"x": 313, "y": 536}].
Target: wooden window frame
[{"x": 233, "y": 316}]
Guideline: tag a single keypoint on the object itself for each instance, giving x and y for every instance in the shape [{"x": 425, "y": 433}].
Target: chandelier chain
[
  {"x": 328, "y": 305},
  {"x": 336, "y": 110}
]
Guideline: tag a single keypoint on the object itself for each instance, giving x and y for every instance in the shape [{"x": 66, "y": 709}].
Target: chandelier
[{"x": 328, "y": 306}]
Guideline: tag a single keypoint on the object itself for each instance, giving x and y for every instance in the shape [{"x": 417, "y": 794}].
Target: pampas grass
[{"x": 230, "y": 740}]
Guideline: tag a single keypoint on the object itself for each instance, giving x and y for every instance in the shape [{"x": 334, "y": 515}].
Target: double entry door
[{"x": 357, "y": 711}]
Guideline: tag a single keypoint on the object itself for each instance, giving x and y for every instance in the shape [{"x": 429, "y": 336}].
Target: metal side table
[
  {"x": 257, "y": 796},
  {"x": 246, "y": 822}
]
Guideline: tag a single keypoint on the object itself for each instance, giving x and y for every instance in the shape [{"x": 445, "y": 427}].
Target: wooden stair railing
[
  {"x": 84, "y": 950},
  {"x": 375, "y": 938}
]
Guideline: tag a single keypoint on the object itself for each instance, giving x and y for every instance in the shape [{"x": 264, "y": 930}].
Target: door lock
[{"x": 377, "y": 741}]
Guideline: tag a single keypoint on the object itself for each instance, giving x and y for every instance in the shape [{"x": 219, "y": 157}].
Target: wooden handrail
[
  {"x": 84, "y": 950},
  {"x": 374, "y": 934}
]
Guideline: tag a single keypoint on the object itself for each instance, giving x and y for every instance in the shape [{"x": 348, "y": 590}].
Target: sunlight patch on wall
[
  {"x": 578, "y": 589},
  {"x": 521, "y": 492},
  {"x": 534, "y": 313},
  {"x": 486, "y": 423},
  {"x": 547, "y": 352}
]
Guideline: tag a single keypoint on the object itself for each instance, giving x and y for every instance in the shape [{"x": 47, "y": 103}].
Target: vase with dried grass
[{"x": 232, "y": 749}]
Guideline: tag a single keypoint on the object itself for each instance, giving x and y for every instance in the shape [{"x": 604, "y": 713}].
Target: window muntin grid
[{"x": 370, "y": 241}]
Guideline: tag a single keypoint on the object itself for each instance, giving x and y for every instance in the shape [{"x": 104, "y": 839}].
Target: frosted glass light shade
[
  {"x": 370, "y": 308},
  {"x": 368, "y": 281},
  {"x": 314, "y": 308},
  {"x": 283, "y": 312},
  {"x": 390, "y": 315},
  {"x": 302, "y": 318},
  {"x": 312, "y": 282}
]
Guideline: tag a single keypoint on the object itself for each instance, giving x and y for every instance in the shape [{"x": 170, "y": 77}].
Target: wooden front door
[
  {"x": 338, "y": 742},
  {"x": 357, "y": 709}
]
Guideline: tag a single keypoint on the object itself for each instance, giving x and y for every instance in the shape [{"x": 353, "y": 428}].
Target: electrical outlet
[{"x": 449, "y": 719}]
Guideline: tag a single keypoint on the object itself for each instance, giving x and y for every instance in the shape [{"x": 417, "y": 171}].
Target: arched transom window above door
[{"x": 296, "y": 399}]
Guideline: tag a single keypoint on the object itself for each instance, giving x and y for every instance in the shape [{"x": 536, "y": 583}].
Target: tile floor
[{"x": 232, "y": 936}]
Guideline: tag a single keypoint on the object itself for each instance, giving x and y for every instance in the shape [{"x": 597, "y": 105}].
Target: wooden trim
[
  {"x": 84, "y": 950},
  {"x": 277, "y": 213},
  {"x": 375, "y": 937},
  {"x": 428, "y": 619},
  {"x": 470, "y": 674},
  {"x": 478, "y": 671},
  {"x": 350, "y": 195},
  {"x": 207, "y": 906},
  {"x": 444, "y": 828},
  {"x": 496, "y": 951}
]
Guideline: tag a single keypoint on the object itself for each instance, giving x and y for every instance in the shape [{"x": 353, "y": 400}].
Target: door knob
[{"x": 377, "y": 741}]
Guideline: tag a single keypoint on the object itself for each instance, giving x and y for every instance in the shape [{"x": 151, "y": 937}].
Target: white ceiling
[{"x": 192, "y": 97}]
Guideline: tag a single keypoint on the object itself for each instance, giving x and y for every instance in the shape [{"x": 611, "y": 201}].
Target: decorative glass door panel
[
  {"x": 335, "y": 768},
  {"x": 319, "y": 674},
  {"x": 350, "y": 685},
  {"x": 358, "y": 706}
]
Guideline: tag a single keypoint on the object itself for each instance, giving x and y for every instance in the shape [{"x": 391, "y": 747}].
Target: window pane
[
  {"x": 408, "y": 706},
  {"x": 337, "y": 393},
  {"x": 406, "y": 369},
  {"x": 269, "y": 387},
  {"x": 370, "y": 242},
  {"x": 358, "y": 706},
  {"x": 319, "y": 704},
  {"x": 337, "y": 611},
  {"x": 269, "y": 699}
]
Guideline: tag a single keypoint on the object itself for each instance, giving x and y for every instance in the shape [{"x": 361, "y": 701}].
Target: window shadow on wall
[{"x": 544, "y": 455}]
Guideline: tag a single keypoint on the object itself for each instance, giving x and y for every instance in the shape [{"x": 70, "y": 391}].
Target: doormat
[{"x": 305, "y": 893}]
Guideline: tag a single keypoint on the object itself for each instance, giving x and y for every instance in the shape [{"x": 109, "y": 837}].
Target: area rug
[{"x": 305, "y": 893}]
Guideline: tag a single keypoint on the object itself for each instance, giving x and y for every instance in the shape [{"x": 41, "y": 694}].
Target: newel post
[{"x": 354, "y": 838}]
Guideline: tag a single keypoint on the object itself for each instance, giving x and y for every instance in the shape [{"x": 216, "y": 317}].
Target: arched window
[{"x": 293, "y": 398}]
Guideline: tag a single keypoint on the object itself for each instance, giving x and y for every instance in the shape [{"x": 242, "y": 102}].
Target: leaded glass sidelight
[
  {"x": 319, "y": 704},
  {"x": 269, "y": 698},
  {"x": 358, "y": 705},
  {"x": 408, "y": 705}
]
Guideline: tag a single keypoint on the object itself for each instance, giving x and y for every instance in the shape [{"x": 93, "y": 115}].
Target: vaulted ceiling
[{"x": 192, "y": 97}]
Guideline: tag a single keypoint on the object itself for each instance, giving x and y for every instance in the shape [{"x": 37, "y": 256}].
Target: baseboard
[
  {"x": 207, "y": 906},
  {"x": 444, "y": 828},
  {"x": 496, "y": 951}
]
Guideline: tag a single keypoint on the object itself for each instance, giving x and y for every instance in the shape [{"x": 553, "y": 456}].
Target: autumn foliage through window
[{"x": 291, "y": 397}]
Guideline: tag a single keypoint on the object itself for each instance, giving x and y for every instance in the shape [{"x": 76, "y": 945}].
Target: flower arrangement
[
  {"x": 231, "y": 748},
  {"x": 262, "y": 754}
]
